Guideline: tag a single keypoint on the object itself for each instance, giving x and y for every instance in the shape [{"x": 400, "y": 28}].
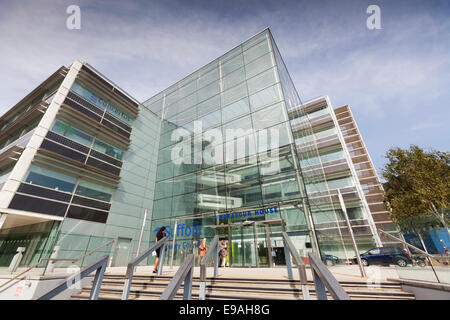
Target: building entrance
[{"x": 253, "y": 243}]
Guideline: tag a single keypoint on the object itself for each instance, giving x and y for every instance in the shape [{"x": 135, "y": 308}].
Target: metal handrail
[
  {"x": 184, "y": 274},
  {"x": 289, "y": 249},
  {"x": 214, "y": 247},
  {"x": 96, "y": 249},
  {"x": 323, "y": 278},
  {"x": 417, "y": 249},
  {"x": 133, "y": 263},
  {"x": 53, "y": 259},
  {"x": 407, "y": 244},
  {"x": 99, "y": 266}
]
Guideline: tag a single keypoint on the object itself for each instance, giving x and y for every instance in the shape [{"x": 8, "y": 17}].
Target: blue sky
[{"x": 396, "y": 80}]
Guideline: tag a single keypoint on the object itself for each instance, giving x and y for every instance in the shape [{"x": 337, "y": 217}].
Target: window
[
  {"x": 261, "y": 81},
  {"x": 235, "y": 93},
  {"x": 265, "y": 97},
  {"x": 108, "y": 149},
  {"x": 100, "y": 102},
  {"x": 50, "y": 179},
  {"x": 72, "y": 133},
  {"x": 235, "y": 110},
  {"x": 93, "y": 190},
  {"x": 256, "y": 51}
]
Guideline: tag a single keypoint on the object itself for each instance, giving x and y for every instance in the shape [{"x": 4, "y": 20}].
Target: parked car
[
  {"x": 385, "y": 256},
  {"x": 329, "y": 260}
]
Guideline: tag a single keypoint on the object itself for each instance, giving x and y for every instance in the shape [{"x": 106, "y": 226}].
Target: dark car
[
  {"x": 385, "y": 256},
  {"x": 330, "y": 260}
]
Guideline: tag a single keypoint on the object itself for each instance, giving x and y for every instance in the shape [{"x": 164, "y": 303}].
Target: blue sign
[
  {"x": 183, "y": 230},
  {"x": 244, "y": 214}
]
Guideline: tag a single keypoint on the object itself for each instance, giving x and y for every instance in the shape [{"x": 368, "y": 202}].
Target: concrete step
[
  {"x": 151, "y": 287},
  {"x": 217, "y": 294},
  {"x": 258, "y": 287}
]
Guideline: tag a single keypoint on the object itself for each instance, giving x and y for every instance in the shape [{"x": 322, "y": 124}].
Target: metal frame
[
  {"x": 214, "y": 247},
  {"x": 184, "y": 274},
  {"x": 133, "y": 263},
  {"x": 99, "y": 266},
  {"x": 429, "y": 256},
  {"x": 289, "y": 249},
  {"x": 323, "y": 278},
  {"x": 55, "y": 260}
]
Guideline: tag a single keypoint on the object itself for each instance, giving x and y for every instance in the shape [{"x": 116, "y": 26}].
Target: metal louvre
[
  {"x": 32, "y": 204},
  {"x": 117, "y": 122},
  {"x": 103, "y": 166},
  {"x": 43, "y": 192},
  {"x": 81, "y": 213},
  {"x": 85, "y": 103},
  {"x": 66, "y": 152},
  {"x": 83, "y": 110},
  {"x": 106, "y": 158},
  {"x": 97, "y": 77},
  {"x": 115, "y": 128},
  {"x": 67, "y": 142},
  {"x": 88, "y": 202}
]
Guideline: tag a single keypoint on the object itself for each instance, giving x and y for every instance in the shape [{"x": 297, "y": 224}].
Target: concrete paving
[{"x": 342, "y": 273}]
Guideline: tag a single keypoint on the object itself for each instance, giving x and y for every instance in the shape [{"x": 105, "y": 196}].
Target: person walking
[
  {"x": 202, "y": 248},
  {"x": 159, "y": 235},
  {"x": 222, "y": 252}
]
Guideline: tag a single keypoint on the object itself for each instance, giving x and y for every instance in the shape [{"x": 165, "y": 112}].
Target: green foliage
[{"x": 415, "y": 180}]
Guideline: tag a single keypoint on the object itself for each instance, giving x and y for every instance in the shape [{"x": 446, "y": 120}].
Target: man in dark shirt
[{"x": 159, "y": 235}]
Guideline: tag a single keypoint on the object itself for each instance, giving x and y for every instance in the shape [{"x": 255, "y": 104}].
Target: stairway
[{"x": 149, "y": 287}]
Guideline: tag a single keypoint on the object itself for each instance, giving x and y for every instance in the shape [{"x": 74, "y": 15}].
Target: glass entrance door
[
  {"x": 243, "y": 246},
  {"x": 253, "y": 243}
]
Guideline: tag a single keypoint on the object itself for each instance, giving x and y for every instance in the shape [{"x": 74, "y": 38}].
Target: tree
[{"x": 417, "y": 183}]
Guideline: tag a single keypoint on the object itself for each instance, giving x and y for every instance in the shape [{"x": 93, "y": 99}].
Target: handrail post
[
  {"x": 203, "y": 263},
  {"x": 98, "y": 279},
  {"x": 99, "y": 266},
  {"x": 320, "y": 287},
  {"x": 133, "y": 263},
  {"x": 287, "y": 257},
  {"x": 126, "y": 287},
  {"x": 187, "y": 294},
  {"x": 324, "y": 278},
  {"x": 161, "y": 259},
  {"x": 216, "y": 259}
]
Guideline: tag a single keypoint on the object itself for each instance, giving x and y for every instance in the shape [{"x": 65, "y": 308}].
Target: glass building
[{"x": 229, "y": 150}]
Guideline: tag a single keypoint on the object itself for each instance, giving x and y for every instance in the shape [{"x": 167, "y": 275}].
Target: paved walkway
[{"x": 342, "y": 273}]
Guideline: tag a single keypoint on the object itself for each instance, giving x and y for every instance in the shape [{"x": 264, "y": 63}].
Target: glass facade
[{"x": 229, "y": 150}]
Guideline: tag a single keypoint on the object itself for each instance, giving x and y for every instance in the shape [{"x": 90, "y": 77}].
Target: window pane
[
  {"x": 235, "y": 110},
  {"x": 209, "y": 77},
  {"x": 108, "y": 149},
  {"x": 207, "y": 106},
  {"x": 259, "y": 65},
  {"x": 233, "y": 78},
  {"x": 72, "y": 133},
  {"x": 262, "y": 81},
  {"x": 231, "y": 54},
  {"x": 269, "y": 116},
  {"x": 256, "y": 51},
  {"x": 93, "y": 190},
  {"x": 256, "y": 39},
  {"x": 235, "y": 93},
  {"x": 265, "y": 97},
  {"x": 50, "y": 179},
  {"x": 208, "y": 91},
  {"x": 232, "y": 64},
  {"x": 211, "y": 120}
]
